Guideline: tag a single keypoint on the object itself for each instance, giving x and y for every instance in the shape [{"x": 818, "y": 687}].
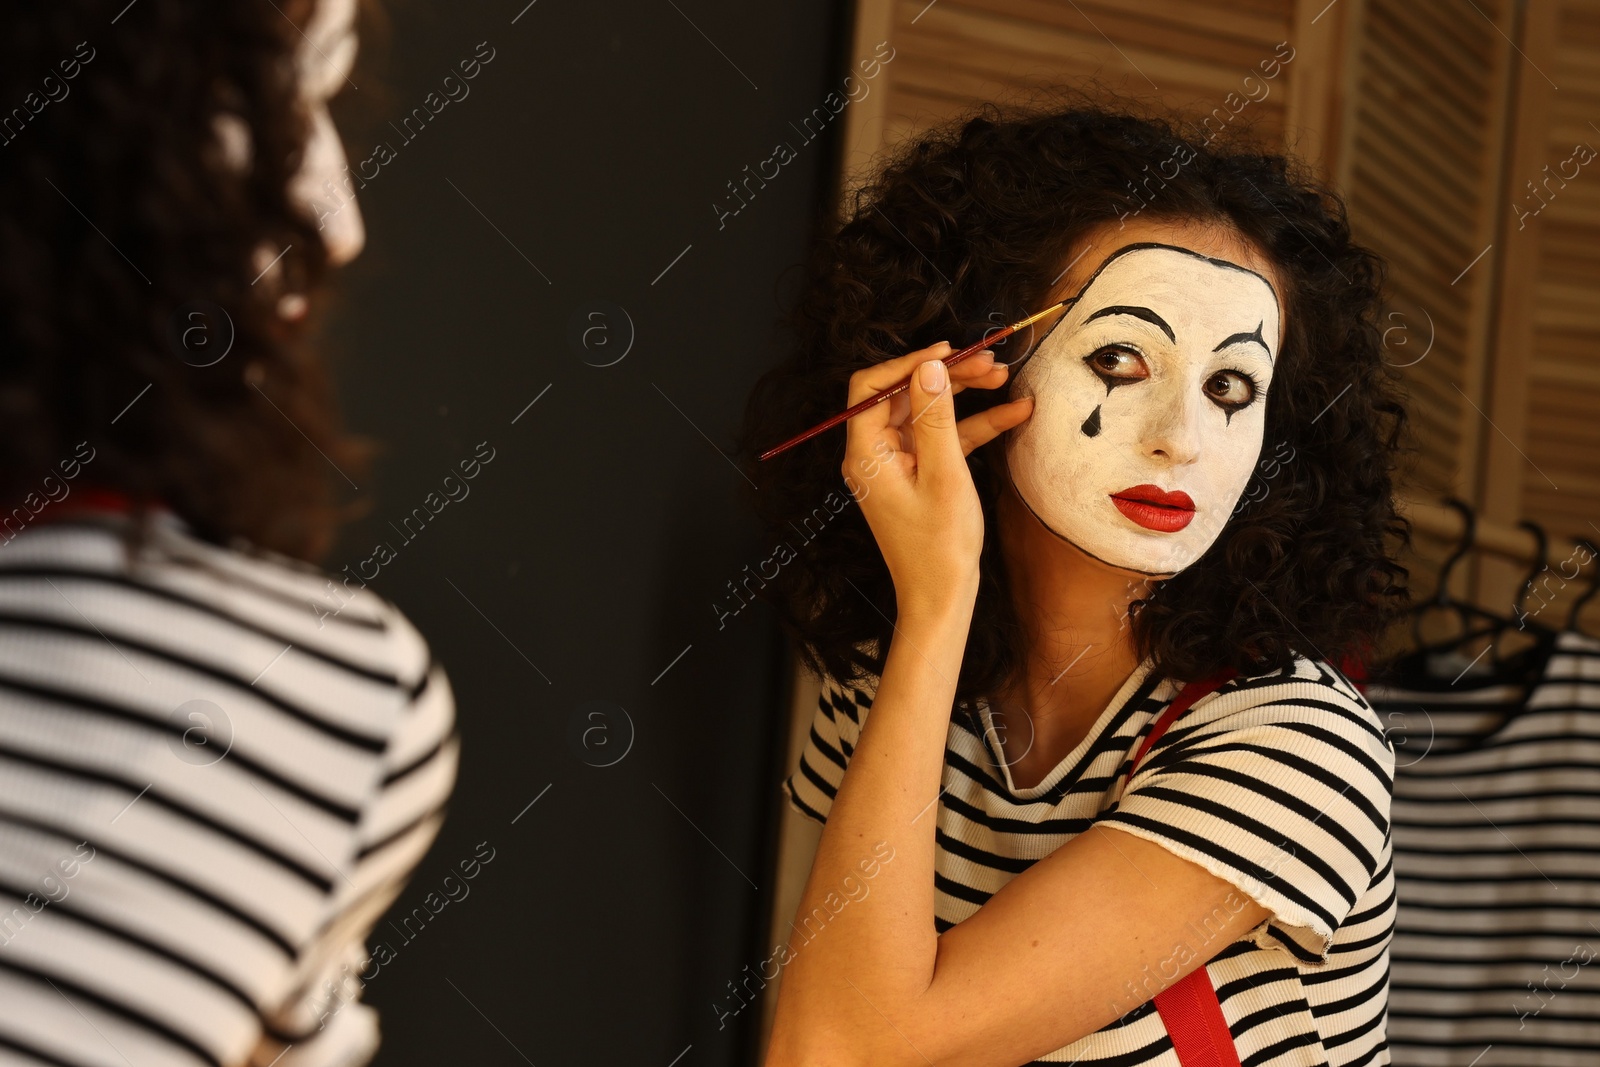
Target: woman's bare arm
[{"x": 1058, "y": 952}]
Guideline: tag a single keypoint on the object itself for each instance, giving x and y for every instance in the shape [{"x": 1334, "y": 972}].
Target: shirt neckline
[{"x": 991, "y": 738}]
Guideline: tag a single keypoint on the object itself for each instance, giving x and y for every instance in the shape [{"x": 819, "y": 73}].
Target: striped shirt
[
  {"x": 1279, "y": 784},
  {"x": 215, "y": 774},
  {"x": 1497, "y": 860}
]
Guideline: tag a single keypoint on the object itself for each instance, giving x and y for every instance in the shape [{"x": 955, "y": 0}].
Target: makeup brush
[{"x": 878, "y": 398}]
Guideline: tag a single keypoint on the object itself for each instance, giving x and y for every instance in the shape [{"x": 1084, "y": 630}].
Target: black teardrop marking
[{"x": 1091, "y": 425}]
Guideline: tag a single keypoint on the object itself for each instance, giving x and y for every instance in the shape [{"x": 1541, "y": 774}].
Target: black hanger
[
  {"x": 1588, "y": 594},
  {"x": 1442, "y": 600},
  {"x": 1520, "y": 621}
]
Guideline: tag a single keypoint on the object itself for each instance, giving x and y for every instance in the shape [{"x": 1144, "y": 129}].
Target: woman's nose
[{"x": 1172, "y": 422}]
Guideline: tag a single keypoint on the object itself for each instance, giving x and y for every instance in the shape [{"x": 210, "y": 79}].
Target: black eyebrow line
[
  {"x": 1125, "y": 249},
  {"x": 1137, "y": 312},
  {"x": 1254, "y": 335}
]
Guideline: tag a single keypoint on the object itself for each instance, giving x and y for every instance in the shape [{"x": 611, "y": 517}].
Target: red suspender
[{"x": 1189, "y": 1008}]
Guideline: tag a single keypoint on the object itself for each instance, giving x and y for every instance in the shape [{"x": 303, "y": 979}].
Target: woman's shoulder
[
  {"x": 175, "y": 577},
  {"x": 1305, "y": 678},
  {"x": 1310, "y": 696}
]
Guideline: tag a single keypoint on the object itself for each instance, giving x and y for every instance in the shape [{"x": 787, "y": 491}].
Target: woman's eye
[
  {"x": 1117, "y": 364},
  {"x": 1230, "y": 389}
]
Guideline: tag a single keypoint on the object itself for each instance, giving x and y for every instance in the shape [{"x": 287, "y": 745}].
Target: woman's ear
[{"x": 235, "y": 146}]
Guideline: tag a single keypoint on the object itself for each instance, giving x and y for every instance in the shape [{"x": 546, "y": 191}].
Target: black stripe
[
  {"x": 1480, "y": 984},
  {"x": 418, "y": 763},
  {"x": 1136, "y": 1058},
  {"x": 1469, "y": 878},
  {"x": 384, "y": 842},
  {"x": 1310, "y": 769},
  {"x": 1336, "y": 741},
  {"x": 161, "y": 593},
  {"x": 76, "y": 914},
  {"x": 236, "y": 578},
  {"x": 1408, "y": 826},
  {"x": 1331, "y": 973},
  {"x": 1531, "y": 959},
  {"x": 234, "y": 911},
  {"x": 122, "y": 713},
  {"x": 805, "y": 808},
  {"x": 153, "y": 795},
  {"x": 978, "y": 775},
  {"x": 1511, "y": 769},
  {"x": 1293, "y": 947},
  {"x": 1416, "y": 903},
  {"x": 1217, "y": 852},
  {"x": 1458, "y": 934},
  {"x": 369, "y": 742},
  {"x": 1255, "y": 980},
  {"x": 1262, "y": 832},
  {"x": 1372, "y": 991},
  {"x": 1356, "y": 918},
  {"x": 1372, "y": 1056},
  {"x": 842, "y": 702},
  {"x": 960, "y": 891},
  {"x": 1562, "y": 741},
  {"x": 982, "y": 857},
  {"x": 822, "y": 746},
  {"x": 1476, "y": 852},
  {"x": 34, "y": 1051},
  {"x": 1000, "y": 824},
  {"x": 1287, "y": 801},
  {"x": 1501, "y": 1037},
  {"x": 1241, "y": 947},
  {"x": 1278, "y": 1048},
  {"x": 823, "y": 786},
  {"x": 1220, "y": 722},
  {"x": 1480, "y": 799},
  {"x": 1386, "y": 934},
  {"x": 1379, "y": 1018},
  {"x": 396, "y": 881},
  {"x": 416, "y": 691},
  {"x": 113, "y": 1007}
]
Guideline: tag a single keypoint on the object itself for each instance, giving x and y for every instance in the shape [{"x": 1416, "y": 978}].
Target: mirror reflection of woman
[
  {"x": 218, "y": 764},
  {"x": 1045, "y": 548}
]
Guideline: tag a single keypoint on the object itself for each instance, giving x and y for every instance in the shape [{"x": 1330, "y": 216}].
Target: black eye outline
[
  {"x": 1112, "y": 381},
  {"x": 1249, "y": 379}
]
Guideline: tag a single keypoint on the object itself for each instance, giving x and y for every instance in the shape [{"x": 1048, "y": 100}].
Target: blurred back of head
[{"x": 161, "y": 246}]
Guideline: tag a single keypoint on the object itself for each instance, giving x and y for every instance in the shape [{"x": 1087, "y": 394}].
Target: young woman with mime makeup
[{"x": 1093, "y": 784}]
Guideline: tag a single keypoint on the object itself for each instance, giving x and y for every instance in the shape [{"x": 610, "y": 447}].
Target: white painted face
[
  {"x": 1149, "y": 407},
  {"x": 323, "y": 63}
]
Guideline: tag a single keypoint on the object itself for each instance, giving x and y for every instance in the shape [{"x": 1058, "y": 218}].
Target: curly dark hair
[
  {"x": 117, "y": 211},
  {"x": 969, "y": 225}
]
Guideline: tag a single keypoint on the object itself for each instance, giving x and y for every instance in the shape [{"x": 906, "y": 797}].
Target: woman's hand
[{"x": 905, "y": 463}]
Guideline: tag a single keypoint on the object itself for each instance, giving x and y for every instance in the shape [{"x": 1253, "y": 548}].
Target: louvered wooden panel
[
  {"x": 1420, "y": 170},
  {"x": 951, "y": 55},
  {"x": 1561, "y": 476}
]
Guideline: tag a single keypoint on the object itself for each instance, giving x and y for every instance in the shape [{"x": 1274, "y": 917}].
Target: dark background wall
[{"x": 571, "y": 595}]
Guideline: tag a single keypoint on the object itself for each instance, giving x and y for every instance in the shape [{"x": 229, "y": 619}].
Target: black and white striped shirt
[
  {"x": 1279, "y": 784},
  {"x": 214, "y": 778},
  {"x": 1497, "y": 859}
]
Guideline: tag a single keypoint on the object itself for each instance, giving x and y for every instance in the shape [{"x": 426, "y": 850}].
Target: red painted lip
[{"x": 1154, "y": 508}]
